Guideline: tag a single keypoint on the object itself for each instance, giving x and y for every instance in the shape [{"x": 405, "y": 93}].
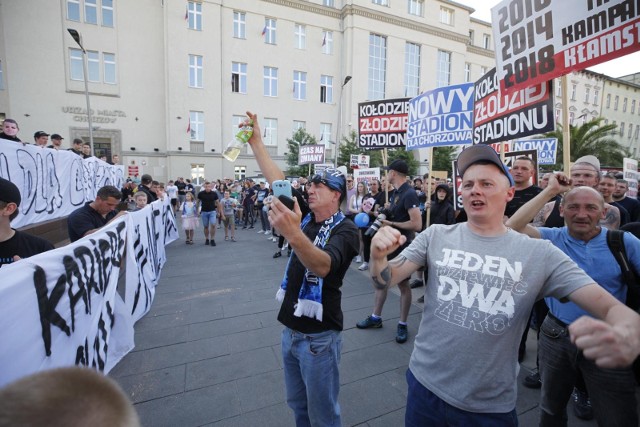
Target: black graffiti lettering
[
  {"x": 42, "y": 190},
  {"x": 82, "y": 354},
  {"x": 47, "y": 306},
  {"x": 169, "y": 221},
  {"x": 152, "y": 242},
  {"x": 77, "y": 182},
  {"x": 4, "y": 167},
  {"x": 141, "y": 261}
]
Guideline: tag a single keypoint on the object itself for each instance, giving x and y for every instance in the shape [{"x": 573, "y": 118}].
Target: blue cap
[
  {"x": 332, "y": 178},
  {"x": 481, "y": 153}
]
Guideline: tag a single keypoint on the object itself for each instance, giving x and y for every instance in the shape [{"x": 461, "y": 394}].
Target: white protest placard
[
  {"x": 441, "y": 117},
  {"x": 53, "y": 183},
  {"x": 353, "y": 161},
  {"x": 500, "y": 116},
  {"x": 310, "y": 154},
  {"x": 366, "y": 175},
  {"x": 630, "y": 171},
  {"x": 320, "y": 167},
  {"x": 363, "y": 161},
  {"x": 383, "y": 123},
  {"x": 538, "y": 40},
  {"x": 546, "y": 148}
]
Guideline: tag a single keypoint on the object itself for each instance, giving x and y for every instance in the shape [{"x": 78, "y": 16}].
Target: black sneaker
[
  {"x": 421, "y": 299},
  {"x": 582, "y": 405},
  {"x": 532, "y": 380},
  {"x": 416, "y": 283},
  {"x": 402, "y": 334},
  {"x": 206, "y": 242},
  {"x": 369, "y": 322},
  {"x": 277, "y": 254},
  {"x": 213, "y": 243}
]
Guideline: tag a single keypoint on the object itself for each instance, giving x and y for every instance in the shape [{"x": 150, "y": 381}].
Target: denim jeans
[
  {"x": 208, "y": 218},
  {"x": 264, "y": 219},
  {"x": 612, "y": 391},
  {"x": 426, "y": 409},
  {"x": 312, "y": 377}
]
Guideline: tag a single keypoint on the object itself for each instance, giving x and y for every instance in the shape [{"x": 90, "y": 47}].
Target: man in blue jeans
[
  {"x": 483, "y": 281},
  {"x": 612, "y": 391},
  {"x": 209, "y": 206},
  {"x": 323, "y": 246}
]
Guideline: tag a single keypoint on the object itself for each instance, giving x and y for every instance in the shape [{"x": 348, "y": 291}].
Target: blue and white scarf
[{"x": 310, "y": 296}]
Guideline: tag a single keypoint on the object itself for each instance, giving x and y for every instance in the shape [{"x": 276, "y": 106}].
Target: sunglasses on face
[{"x": 326, "y": 176}]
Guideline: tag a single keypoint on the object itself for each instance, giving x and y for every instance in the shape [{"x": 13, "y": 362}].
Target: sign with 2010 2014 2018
[{"x": 538, "y": 40}]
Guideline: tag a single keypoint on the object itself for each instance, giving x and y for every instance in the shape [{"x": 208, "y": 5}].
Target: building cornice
[
  {"x": 480, "y": 51},
  {"x": 307, "y": 7}
]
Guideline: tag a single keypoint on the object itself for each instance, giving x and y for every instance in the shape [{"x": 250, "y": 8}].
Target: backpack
[{"x": 615, "y": 241}]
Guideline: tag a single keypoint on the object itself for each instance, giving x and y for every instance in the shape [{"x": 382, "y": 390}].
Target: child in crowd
[
  {"x": 189, "y": 217},
  {"x": 229, "y": 205},
  {"x": 140, "y": 199}
]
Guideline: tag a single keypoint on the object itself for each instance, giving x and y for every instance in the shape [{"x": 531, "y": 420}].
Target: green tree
[
  {"x": 301, "y": 137},
  {"x": 592, "y": 138},
  {"x": 349, "y": 146},
  {"x": 442, "y": 158}
]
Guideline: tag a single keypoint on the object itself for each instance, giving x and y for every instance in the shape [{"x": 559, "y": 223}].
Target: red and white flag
[
  {"x": 186, "y": 14},
  {"x": 264, "y": 30},
  {"x": 189, "y": 126},
  {"x": 324, "y": 39}
]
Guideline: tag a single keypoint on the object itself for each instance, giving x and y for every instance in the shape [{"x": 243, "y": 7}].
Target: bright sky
[{"x": 618, "y": 67}]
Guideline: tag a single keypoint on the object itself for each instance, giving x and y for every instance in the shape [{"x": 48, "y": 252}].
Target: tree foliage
[
  {"x": 442, "y": 158},
  {"x": 301, "y": 137}
]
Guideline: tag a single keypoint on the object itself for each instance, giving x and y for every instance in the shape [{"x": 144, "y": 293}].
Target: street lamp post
[
  {"x": 347, "y": 79},
  {"x": 78, "y": 39}
]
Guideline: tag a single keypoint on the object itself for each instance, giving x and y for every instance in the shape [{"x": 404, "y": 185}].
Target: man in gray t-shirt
[{"x": 483, "y": 281}]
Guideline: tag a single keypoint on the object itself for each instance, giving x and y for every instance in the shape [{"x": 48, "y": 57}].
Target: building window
[
  {"x": 630, "y": 130},
  {"x": 300, "y": 36},
  {"x": 621, "y": 128},
  {"x": 624, "y": 105},
  {"x": 486, "y": 41},
  {"x": 608, "y": 100},
  {"x": 328, "y": 3},
  {"x": 483, "y": 71},
  {"x": 558, "y": 88},
  {"x": 75, "y": 64},
  {"x": 270, "y": 136},
  {"x": 325, "y": 133},
  {"x": 195, "y": 71},
  {"x": 90, "y": 12},
  {"x": 615, "y": 103},
  {"x": 573, "y": 91},
  {"x": 197, "y": 125},
  {"x": 297, "y": 125},
  {"x": 596, "y": 97},
  {"x": 635, "y": 136},
  {"x": 299, "y": 85},
  {"x": 107, "y": 13},
  {"x": 109, "y": 67},
  {"x": 411, "y": 69},
  {"x": 197, "y": 174},
  {"x": 377, "y": 66},
  {"x": 443, "y": 77},
  {"x": 415, "y": 7},
  {"x": 239, "y": 25},
  {"x": 194, "y": 12},
  {"x": 633, "y": 106},
  {"x": 270, "y": 81},
  {"x": 327, "y": 42},
  {"x": 467, "y": 72},
  {"x": 239, "y": 172},
  {"x": 326, "y": 89},
  {"x": 572, "y": 117},
  {"x": 270, "y": 31},
  {"x": 446, "y": 15},
  {"x": 93, "y": 66},
  {"x": 239, "y": 77},
  {"x": 235, "y": 121},
  {"x": 471, "y": 36},
  {"x": 587, "y": 95},
  {"x": 381, "y": 2},
  {"x": 557, "y": 114},
  {"x": 73, "y": 10}
]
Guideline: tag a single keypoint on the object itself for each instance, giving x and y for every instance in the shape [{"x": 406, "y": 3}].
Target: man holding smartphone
[{"x": 323, "y": 245}]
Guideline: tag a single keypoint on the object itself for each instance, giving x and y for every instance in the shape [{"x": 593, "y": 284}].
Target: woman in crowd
[{"x": 355, "y": 207}]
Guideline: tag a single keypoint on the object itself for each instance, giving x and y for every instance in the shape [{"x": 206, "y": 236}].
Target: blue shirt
[{"x": 596, "y": 259}]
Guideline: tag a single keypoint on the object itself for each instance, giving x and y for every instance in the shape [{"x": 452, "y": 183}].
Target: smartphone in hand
[{"x": 282, "y": 190}]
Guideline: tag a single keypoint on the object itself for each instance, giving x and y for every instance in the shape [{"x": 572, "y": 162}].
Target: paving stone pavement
[{"x": 208, "y": 352}]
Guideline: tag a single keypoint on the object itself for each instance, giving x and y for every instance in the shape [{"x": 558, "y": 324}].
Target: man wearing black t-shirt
[
  {"x": 323, "y": 247},
  {"x": 14, "y": 244},
  {"x": 94, "y": 215},
  {"x": 209, "y": 207},
  {"x": 181, "y": 192},
  {"x": 522, "y": 171}
]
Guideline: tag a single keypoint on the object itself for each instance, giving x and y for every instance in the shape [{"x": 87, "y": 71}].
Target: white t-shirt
[{"x": 172, "y": 191}]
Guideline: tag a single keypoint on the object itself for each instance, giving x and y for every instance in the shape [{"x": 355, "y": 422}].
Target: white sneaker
[
  {"x": 358, "y": 259},
  {"x": 260, "y": 231},
  {"x": 267, "y": 233},
  {"x": 364, "y": 266},
  {"x": 275, "y": 239}
]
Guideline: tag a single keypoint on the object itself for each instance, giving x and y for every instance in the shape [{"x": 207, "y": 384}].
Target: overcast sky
[{"x": 618, "y": 67}]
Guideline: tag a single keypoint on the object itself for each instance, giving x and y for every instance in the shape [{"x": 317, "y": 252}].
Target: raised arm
[
  {"x": 388, "y": 273},
  {"x": 269, "y": 168}
]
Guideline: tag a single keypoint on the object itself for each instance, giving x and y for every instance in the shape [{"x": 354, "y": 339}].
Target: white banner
[
  {"x": 61, "y": 308},
  {"x": 630, "y": 171},
  {"x": 53, "y": 183},
  {"x": 366, "y": 175}
]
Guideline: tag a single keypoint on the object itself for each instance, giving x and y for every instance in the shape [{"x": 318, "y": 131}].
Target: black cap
[
  {"x": 9, "y": 192},
  {"x": 398, "y": 165},
  {"x": 481, "y": 153},
  {"x": 56, "y": 136},
  {"x": 40, "y": 133}
]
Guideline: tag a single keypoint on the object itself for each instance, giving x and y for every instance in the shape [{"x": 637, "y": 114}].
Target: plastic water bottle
[{"x": 234, "y": 147}]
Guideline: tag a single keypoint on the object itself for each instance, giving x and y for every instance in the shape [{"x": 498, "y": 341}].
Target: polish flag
[{"x": 189, "y": 126}]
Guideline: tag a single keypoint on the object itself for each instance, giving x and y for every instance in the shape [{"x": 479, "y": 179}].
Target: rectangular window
[
  {"x": 596, "y": 97},
  {"x": 558, "y": 88},
  {"x": 633, "y": 106},
  {"x": 270, "y": 135},
  {"x": 235, "y": 121},
  {"x": 377, "y": 67},
  {"x": 608, "y": 100},
  {"x": 73, "y": 10},
  {"x": 300, "y": 36},
  {"x": 446, "y": 15},
  {"x": 197, "y": 174},
  {"x": 197, "y": 125},
  {"x": 195, "y": 71},
  {"x": 615, "y": 103},
  {"x": 327, "y": 42},
  {"x": 195, "y": 15},
  {"x": 329, "y": 3},
  {"x": 270, "y": 31},
  {"x": 471, "y": 36},
  {"x": 326, "y": 89},
  {"x": 299, "y": 85},
  {"x": 486, "y": 41},
  {"x": 414, "y": 7},
  {"x": 325, "y": 133},
  {"x": 621, "y": 128},
  {"x": 381, "y": 2},
  {"x": 573, "y": 91},
  {"x": 467, "y": 72},
  {"x": 109, "y": 63},
  {"x": 587, "y": 95},
  {"x": 75, "y": 64},
  {"x": 90, "y": 12},
  {"x": 239, "y": 77},
  {"x": 572, "y": 117},
  {"x": 297, "y": 125},
  {"x": 411, "y": 69},
  {"x": 93, "y": 66},
  {"x": 483, "y": 71},
  {"x": 443, "y": 77},
  {"x": 630, "y": 130},
  {"x": 239, "y": 25},
  {"x": 624, "y": 105},
  {"x": 239, "y": 172},
  {"x": 637, "y": 132},
  {"x": 107, "y": 13},
  {"x": 270, "y": 81}
]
